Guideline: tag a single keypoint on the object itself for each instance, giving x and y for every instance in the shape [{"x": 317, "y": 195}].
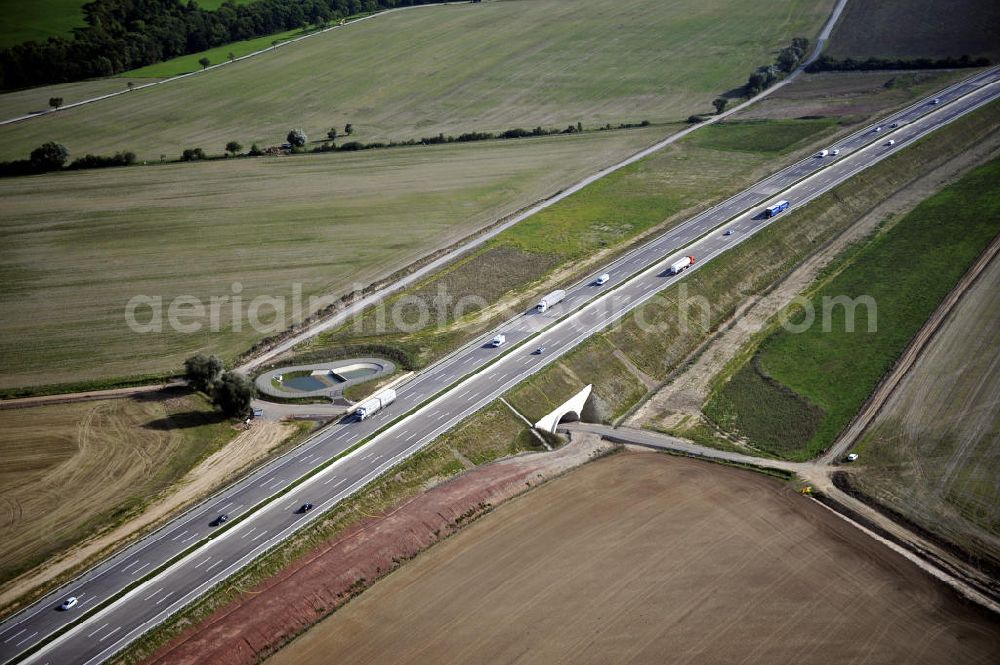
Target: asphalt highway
[{"x": 192, "y": 556}]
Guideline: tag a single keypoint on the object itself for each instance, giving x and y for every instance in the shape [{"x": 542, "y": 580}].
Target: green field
[
  {"x": 906, "y": 270},
  {"x": 450, "y": 69},
  {"x": 79, "y": 245},
  {"x": 917, "y": 29},
  {"x": 189, "y": 63}
]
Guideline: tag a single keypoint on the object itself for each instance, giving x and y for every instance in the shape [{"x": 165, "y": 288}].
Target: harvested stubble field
[
  {"x": 69, "y": 470},
  {"x": 78, "y": 246},
  {"x": 932, "y": 452},
  {"x": 640, "y": 555},
  {"x": 452, "y": 69},
  {"x": 917, "y": 29}
]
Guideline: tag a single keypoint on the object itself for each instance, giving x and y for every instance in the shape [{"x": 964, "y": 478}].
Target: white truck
[
  {"x": 683, "y": 264},
  {"x": 550, "y": 300},
  {"x": 498, "y": 341},
  {"x": 376, "y": 402}
]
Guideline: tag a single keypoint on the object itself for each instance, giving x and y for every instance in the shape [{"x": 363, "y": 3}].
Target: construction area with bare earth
[{"x": 640, "y": 555}]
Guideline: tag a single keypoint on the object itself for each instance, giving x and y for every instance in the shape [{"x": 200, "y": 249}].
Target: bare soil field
[
  {"x": 917, "y": 29},
  {"x": 638, "y": 556},
  {"x": 931, "y": 452},
  {"x": 850, "y": 94},
  {"x": 70, "y": 472}
]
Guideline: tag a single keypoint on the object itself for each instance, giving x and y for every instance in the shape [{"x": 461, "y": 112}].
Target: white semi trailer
[
  {"x": 682, "y": 264},
  {"x": 376, "y": 402},
  {"x": 551, "y": 299}
]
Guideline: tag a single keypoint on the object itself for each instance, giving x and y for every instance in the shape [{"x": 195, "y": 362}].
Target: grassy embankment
[
  {"x": 73, "y": 470},
  {"x": 492, "y": 433},
  {"x": 919, "y": 29},
  {"x": 809, "y": 384},
  {"x": 453, "y": 69}
]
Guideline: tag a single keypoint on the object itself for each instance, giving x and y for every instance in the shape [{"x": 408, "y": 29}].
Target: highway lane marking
[
  {"x": 213, "y": 565},
  {"x": 26, "y": 639},
  {"x": 203, "y": 562},
  {"x": 259, "y": 535},
  {"x": 134, "y": 562},
  {"x": 82, "y": 603},
  {"x": 249, "y": 531},
  {"x": 110, "y": 634},
  {"x": 179, "y": 535},
  {"x": 98, "y": 630},
  {"x": 277, "y": 482},
  {"x": 140, "y": 569},
  {"x": 329, "y": 480},
  {"x": 14, "y": 635},
  {"x": 156, "y": 592},
  {"x": 191, "y": 537},
  {"x": 226, "y": 506},
  {"x": 237, "y": 508},
  {"x": 164, "y": 598}
]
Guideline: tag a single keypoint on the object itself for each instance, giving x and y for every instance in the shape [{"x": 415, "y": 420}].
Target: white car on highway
[
  {"x": 603, "y": 279},
  {"x": 68, "y": 603}
]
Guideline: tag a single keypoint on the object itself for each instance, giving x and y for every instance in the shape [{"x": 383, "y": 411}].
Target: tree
[
  {"x": 202, "y": 371},
  {"x": 233, "y": 147},
  {"x": 49, "y": 156},
  {"x": 579, "y": 126},
  {"x": 255, "y": 151},
  {"x": 55, "y": 102},
  {"x": 297, "y": 138},
  {"x": 204, "y": 62},
  {"x": 232, "y": 394},
  {"x": 348, "y": 129},
  {"x": 131, "y": 86},
  {"x": 720, "y": 104},
  {"x": 192, "y": 154},
  {"x": 232, "y": 56},
  {"x": 332, "y": 134}
]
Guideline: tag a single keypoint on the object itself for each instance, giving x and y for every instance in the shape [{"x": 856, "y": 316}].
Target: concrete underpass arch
[{"x": 572, "y": 407}]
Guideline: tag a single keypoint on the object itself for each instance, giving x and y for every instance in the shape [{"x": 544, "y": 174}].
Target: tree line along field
[
  {"x": 931, "y": 452},
  {"x": 906, "y": 271},
  {"x": 917, "y": 29},
  {"x": 450, "y": 69},
  {"x": 78, "y": 246}
]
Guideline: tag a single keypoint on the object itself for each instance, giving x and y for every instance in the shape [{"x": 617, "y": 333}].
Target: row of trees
[
  {"x": 125, "y": 34},
  {"x": 788, "y": 59},
  {"x": 53, "y": 156},
  {"x": 229, "y": 391},
  {"x": 825, "y": 63}
]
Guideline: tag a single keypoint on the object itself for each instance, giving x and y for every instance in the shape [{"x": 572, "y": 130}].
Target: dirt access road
[{"x": 640, "y": 555}]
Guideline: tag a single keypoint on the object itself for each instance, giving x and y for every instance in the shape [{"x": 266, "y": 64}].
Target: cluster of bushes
[
  {"x": 125, "y": 34},
  {"x": 230, "y": 391},
  {"x": 788, "y": 59},
  {"x": 53, "y": 156},
  {"x": 827, "y": 64}
]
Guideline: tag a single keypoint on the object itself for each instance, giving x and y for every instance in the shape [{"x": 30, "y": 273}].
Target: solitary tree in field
[
  {"x": 233, "y": 147},
  {"x": 232, "y": 56},
  {"x": 297, "y": 138},
  {"x": 720, "y": 104},
  {"x": 348, "y": 129},
  {"x": 332, "y": 134},
  {"x": 131, "y": 86},
  {"x": 202, "y": 371},
  {"x": 204, "y": 62},
  {"x": 55, "y": 102},
  {"x": 49, "y": 156},
  {"x": 232, "y": 394}
]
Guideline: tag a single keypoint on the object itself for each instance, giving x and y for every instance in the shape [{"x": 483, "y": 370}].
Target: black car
[
  {"x": 221, "y": 519},
  {"x": 305, "y": 508}
]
